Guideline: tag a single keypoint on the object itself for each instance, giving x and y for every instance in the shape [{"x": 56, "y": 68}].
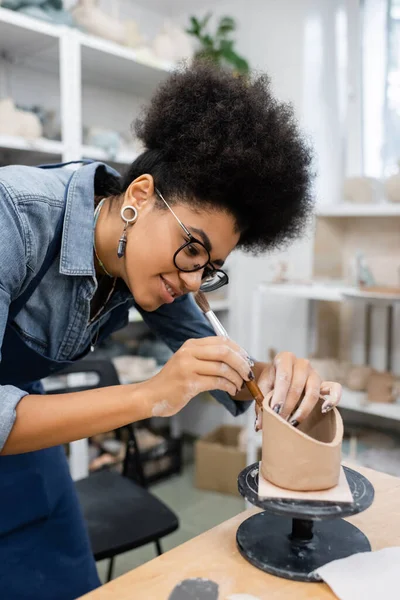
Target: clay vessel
[
  {"x": 381, "y": 387},
  {"x": 357, "y": 378},
  {"x": 361, "y": 190},
  {"x": 306, "y": 458}
]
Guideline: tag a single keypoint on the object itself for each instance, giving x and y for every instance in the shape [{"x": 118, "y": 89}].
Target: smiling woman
[{"x": 225, "y": 166}]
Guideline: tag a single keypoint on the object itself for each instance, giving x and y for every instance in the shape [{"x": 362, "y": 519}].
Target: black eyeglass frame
[{"x": 193, "y": 240}]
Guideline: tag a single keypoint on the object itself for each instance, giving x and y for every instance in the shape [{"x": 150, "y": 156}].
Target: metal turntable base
[{"x": 292, "y": 538}]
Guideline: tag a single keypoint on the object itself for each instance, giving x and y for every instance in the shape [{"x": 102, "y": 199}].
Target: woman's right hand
[{"x": 200, "y": 365}]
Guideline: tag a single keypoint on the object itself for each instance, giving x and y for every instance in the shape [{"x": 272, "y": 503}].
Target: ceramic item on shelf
[
  {"x": 133, "y": 37},
  {"x": 173, "y": 43},
  {"x": 396, "y": 390},
  {"x": 381, "y": 387},
  {"x": 330, "y": 369},
  {"x": 304, "y": 458},
  {"x": 46, "y": 10},
  {"x": 392, "y": 187},
  {"x": 18, "y": 122},
  {"x": 51, "y": 128},
  {"x": 363, "y": 274},
  {"x": 357, "y": 378},
  {"x": 106, "y": 139},
  {"x": 281, "y": 270},
  {"x": 385, "y": 290},
  {"x": 92, "y": 19},
  {"x": 361, "y": 190}
]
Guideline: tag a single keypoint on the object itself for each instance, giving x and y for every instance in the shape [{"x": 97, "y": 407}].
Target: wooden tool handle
[{"x": 255, "y": 392}]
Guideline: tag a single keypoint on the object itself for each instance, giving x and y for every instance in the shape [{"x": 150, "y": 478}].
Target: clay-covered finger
[
  {"x": 333, "y": 391},
  {"x": 301, "y": 372},
  {"x": 219, "y": 369},
  {"x": 218, "y": 341},
  {"x": 283, "y": 376},
  {"x": 224, "y": 353},
  {"x": 266, "y": 380},
  {"x": 310, "y": 399},
  {"x": 218, "y": 383}
]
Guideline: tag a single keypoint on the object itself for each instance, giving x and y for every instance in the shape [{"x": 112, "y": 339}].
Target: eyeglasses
[{"x": 193, "y": 256}]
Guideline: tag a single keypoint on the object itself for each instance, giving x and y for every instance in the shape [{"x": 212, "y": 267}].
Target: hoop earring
[{"x": 131, "y": 221}]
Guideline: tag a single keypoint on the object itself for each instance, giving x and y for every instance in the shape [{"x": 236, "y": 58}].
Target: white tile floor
[{"x": 197, "y": 510}]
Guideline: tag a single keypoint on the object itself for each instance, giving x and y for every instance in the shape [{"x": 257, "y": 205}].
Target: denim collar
[{"x": 78, "y": 231}]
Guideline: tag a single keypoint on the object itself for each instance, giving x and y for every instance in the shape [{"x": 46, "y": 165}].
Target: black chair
[{"x": 120, "y": 513}]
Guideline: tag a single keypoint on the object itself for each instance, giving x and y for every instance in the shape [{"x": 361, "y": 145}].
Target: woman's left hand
[{"x": 289, "y": 377}]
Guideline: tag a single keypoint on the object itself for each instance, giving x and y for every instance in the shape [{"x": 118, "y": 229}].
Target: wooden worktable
[{"x": 213, "y": 555}]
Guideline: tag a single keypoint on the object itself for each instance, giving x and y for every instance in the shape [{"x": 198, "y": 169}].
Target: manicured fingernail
[
  {"x": 251, "y": 362},
  {"x": 277, "y": 408},
  {"x": 326, "y": 408},
  {"x": 294, "y": 422},
  {"x": 251, "y": 376}
]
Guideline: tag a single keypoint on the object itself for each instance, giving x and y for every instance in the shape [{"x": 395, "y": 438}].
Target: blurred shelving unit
[
  {"x": 368, "y": 322},
  {"x": 121, "y": 67},
  {"x": 19, "y": 150}
]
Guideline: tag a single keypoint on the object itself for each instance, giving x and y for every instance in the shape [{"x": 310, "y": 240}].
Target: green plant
[{"x": 219, "y": 48}]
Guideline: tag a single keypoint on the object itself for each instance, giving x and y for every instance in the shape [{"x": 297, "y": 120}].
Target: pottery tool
[
  {"x": 215, "y": 323},
  {"x": 294, "y": 538}
]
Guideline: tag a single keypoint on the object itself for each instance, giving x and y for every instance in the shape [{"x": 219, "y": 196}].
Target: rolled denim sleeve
[
  {"x": 9, "y": 394},
  {"x": 182, "y": 320},
  {"x": 12, "y": 275}
]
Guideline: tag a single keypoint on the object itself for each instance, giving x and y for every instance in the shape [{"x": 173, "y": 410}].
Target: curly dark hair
[{"x": 225, "y": 142}]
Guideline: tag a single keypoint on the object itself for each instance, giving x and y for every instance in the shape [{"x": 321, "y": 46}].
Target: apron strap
[{"x": 51, "y": 254}]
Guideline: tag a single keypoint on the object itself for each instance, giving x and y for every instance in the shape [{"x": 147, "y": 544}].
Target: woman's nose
[{"x": 191, "y": 281}]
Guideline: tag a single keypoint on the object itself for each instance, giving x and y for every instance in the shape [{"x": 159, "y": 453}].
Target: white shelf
[
  {"x": 357, "y": 401},
  {"x": 119, "y": 67},
  {"x": 330, "y": 291},
  {"x": 39, "y": 145},
  {"x": 359, "y": 210},
  {"x": 122, "y": 158}
]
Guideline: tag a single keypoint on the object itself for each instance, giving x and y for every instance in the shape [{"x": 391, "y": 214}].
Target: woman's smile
[{"x": 168, "y": 294}]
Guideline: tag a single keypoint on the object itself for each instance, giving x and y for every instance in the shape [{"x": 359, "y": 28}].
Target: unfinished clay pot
[
  {"x": 357, "y": 378},
  {"x": 304, "y": 458},
  {"x": 381, "y": 387}
]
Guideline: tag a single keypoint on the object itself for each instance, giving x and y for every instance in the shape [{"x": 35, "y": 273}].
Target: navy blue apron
[{"x": 44, "y": 547}]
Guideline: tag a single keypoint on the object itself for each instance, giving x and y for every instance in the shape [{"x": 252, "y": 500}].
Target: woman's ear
[{"x": 140, "y": 193}]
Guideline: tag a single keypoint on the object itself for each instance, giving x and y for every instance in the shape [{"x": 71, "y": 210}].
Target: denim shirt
[{"x": 55, "y": 320}]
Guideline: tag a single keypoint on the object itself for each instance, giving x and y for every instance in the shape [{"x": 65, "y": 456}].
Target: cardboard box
[{"x": 218, "y": 460}]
